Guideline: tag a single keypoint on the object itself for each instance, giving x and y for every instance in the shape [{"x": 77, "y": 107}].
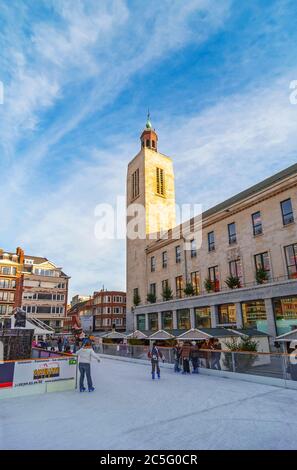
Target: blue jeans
[
  {"x": 85, "y": 368},
  {"x": 176, "y": 365}
]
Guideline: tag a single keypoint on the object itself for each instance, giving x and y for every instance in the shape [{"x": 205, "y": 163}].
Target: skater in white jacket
[{"x": 85, "y": 355}]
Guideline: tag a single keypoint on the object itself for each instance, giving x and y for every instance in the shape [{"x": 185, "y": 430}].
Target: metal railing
[{"x": 273, "y": 365}]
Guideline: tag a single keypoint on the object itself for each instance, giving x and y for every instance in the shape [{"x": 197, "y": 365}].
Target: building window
[
  {"x": 211, "y": 241},
  {"x": 153, "y": 144},
  {"x": 177, "y": 254},
  {"x": 165, "y": 284},
  {"x": 213, "y": 275},
  {"x": 257, "y": 223},
  {"x": 291, "y": 260},
  {"x": 235, "y": 269},
  {"x": 179, "y": 286},
  {"x": 193, "y": 248},
  {"x": 254, "y": 315},
  {"x": 153, "y": 264},
  {"x": 287, "y": 211},
  {"x": 285, "y": 312},
  {"x": 262, "y": 263},
  {"x": 135, "y": 184},
  {"x": 160, "y": 187},
  {"x": 140, "y": 320},
  {"x": 167, "y": 320},
  {"x": 153, "y": 321},
  {"x": 183, "y": 319},
  {"x": 232, "y": 233},
  {"x": 227, "y": 314},
  {"x": 164, "y": 259},
  {"x": 202, "y": 317},
  {"x": 152, "y": 289},
  {"x": 147, "y": 142},
  {"x": 195, "y": 281}
]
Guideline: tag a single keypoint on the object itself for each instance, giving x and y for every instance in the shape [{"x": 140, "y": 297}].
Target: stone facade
[{"x": 251, "y": 232}]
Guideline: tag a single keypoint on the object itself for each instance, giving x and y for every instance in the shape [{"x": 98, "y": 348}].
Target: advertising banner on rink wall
[
  {"x": 37, "y": 372},
  {"x": 6, "y": 374}
]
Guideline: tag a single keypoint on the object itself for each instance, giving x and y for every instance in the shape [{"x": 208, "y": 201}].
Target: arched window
[
  {"x": 153, "y": 144},
  {"x": 147, "y": 142}
]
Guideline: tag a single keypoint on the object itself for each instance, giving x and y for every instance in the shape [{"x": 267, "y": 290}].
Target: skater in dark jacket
[
  {"x": 185, "y": 355},
  {"x": 176, "y": 355},
  {"x": 155, "y": 355},
  {"x": 195, "y": 357}
]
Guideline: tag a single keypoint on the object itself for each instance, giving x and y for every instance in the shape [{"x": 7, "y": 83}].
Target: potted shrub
[
  {"x": 136, "y": 300},
  {"x": 151, "y": 297},
  {"x": 261, "y": 276},
  {"x": 189, "y": 289},
  {"x": 167, "y": 293},
  {"x": 208, "y": 284},
  {"x": 233, "y": 282}
]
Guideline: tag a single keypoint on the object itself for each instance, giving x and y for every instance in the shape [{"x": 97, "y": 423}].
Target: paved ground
[{"x": 130, "y": 411}]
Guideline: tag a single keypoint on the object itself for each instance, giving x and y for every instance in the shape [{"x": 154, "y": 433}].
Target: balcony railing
[{"x": 223, "y": 289}]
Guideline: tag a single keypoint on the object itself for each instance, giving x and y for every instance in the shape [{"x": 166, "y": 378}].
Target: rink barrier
[
  {"x": 37, "y": 376},
  {"x": 276, "y": 369}
]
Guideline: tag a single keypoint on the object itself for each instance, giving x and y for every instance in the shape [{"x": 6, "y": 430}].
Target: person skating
[
  {"x": 185, "y": 355},
  {"x": 216, "y": 355},
  {"x": 176, "y": 354},
  {"x": 85, "y": 355},
  {"x": 195, "y": 357},
  {"x": 155, "y": 355}
]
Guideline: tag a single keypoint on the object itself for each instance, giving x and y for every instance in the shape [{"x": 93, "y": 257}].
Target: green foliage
[
  {"x": 241, "y": 362},
  {"x": 136, "y": 299},
  {"x": 233, "y": 282},
  {"x": 261, "y": 276},
  {"x": 151, "y": 298},
  {"x": 167, "y": 293},
  {"x": 209, "y": 285},
  {"x": 189, "y": 289}
]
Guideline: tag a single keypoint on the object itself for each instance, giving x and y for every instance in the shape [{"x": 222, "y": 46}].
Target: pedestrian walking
[
  {"x": 85, "y": 355},
  {"x": 185, "y": 355},
  {"x": 155, "y": 355}
]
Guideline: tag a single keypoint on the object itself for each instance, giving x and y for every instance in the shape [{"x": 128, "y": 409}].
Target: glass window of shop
[
  {"x": 285, "y": 312},
  {"x": 153, "y": 321},
  {"x": 141, "y": 322},
  {"x": 202, "y": 317},
  {"x": 183, "y": 319},
  {"x": 254, "y": 315},
  {"x": 167, "y": 320},
  {"x": 227, "y": 314}
]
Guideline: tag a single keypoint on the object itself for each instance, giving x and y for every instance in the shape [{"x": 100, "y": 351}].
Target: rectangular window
[
  {"x": 177, "y": 254},
  {"x": 179, "y": 286},
  {"x": 160, "y": 187},
  {"x": 183, "y": 319},
  {"x": 165, "y": 284},
  {"x": 202, "y": 317},
  {"x": 287, "y": 211},
  {"x": 227, "y": 314},
  {"x": 211, "y": 241},
  {"x": 135, "y": 184},
  {"x": 262, "y": 263},
  {"x": 232, "y": 233},
  {"x": 257, "y": 223},
  {"x": 153, "y": 321},
  {"x": 291, "y": 260},
  {"x": 152, "y": 289},
  {"x": 195, "y": 281},
  {"x": 167, "y": 320},
  {"x": 164, "y": 259},
  {"x": 235, "y": 269},
  {"x": 153, "y": 264},
  {"x": 254, "y": 315},
  {"x": 213, "y": 275},
  {"x": 193, "y": 248},
  {"x": 285, "y": 312}
]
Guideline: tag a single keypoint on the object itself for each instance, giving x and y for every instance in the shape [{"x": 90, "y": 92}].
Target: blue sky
[{"x": 78, "y": 78}]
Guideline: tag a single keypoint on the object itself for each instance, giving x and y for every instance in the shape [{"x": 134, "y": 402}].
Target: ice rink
[{"x": 130, "y": 411}]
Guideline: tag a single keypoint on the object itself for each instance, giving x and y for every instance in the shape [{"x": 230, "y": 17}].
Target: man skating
[{"x": 155, "y": 355}]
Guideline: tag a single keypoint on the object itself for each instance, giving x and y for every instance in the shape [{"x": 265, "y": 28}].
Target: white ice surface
[{"x": 130, "y": 411}]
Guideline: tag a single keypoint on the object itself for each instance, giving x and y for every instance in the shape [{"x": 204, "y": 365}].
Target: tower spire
[
  {"x": 149, "y": 137},
  {"x": 148, "y": 121}
]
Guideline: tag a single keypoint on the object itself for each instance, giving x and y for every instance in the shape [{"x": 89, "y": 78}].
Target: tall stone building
[{"x": 244, "y": 274}]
